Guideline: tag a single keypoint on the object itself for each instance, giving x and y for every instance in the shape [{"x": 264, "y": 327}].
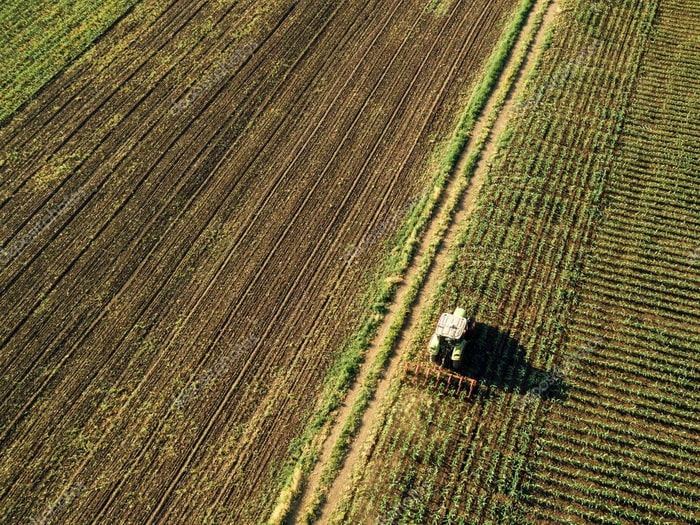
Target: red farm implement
[{"x": 451, "y": 382}]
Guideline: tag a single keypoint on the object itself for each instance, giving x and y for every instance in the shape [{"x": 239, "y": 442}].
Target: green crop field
[{"x": 623, "y": 446}]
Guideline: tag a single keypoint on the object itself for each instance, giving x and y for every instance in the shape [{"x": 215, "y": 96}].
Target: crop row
[{"x": 621, "y": 447}]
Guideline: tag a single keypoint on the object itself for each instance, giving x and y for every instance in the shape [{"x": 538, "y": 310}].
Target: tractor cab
[
  {"x": 452, "y": 327},
  {"x": 450, "y": 338}
]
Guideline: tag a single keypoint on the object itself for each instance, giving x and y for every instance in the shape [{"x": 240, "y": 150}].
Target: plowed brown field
[{"x": 166, "y": 331}]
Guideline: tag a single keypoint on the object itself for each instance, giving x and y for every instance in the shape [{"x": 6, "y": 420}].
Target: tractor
[
  {"x": 452, "y": 334},
  {"x": 447, "y": 348}
]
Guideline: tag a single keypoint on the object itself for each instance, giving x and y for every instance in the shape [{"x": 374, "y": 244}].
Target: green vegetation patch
[{"x": 39, "y": 38}]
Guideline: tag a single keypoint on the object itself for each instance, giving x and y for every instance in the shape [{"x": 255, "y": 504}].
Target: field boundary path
[{"x": 456, "y": 203}]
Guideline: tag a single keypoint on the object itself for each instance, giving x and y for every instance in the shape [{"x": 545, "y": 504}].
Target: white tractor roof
[{"x": 451, "y": 326}]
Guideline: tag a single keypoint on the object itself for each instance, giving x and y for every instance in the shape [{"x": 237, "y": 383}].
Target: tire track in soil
[
  {"x": 460, "y": 56},
  {"x": 253, "y": 357}
]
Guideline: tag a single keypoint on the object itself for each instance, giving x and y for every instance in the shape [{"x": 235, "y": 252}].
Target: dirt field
[{"x": 179, "y": 207}]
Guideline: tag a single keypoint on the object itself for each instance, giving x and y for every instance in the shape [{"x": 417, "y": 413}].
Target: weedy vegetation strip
[{"x": 42, "y": 37}]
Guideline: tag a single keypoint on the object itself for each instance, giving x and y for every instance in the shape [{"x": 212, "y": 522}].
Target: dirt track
[{"x": 198, "y": 229}]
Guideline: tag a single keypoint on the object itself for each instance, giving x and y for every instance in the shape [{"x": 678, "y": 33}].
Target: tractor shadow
[{"x": 498, "y": 361}]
